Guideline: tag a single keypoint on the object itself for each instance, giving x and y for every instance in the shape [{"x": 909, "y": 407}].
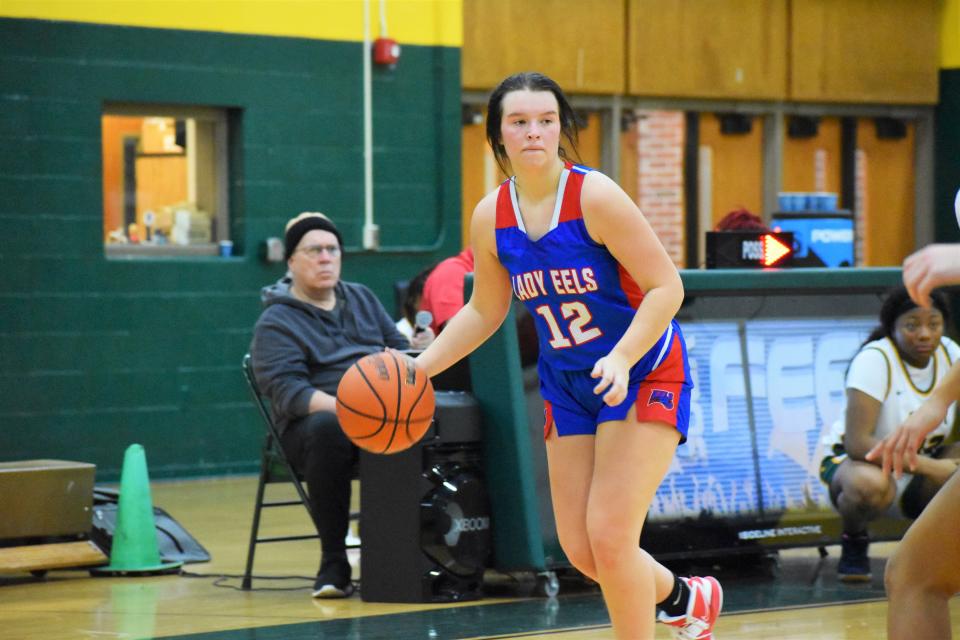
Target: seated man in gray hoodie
[{"x": 314, "y": 327}]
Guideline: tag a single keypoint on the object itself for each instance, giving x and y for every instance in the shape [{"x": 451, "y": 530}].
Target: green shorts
[
  {"x": 830, "y": 463},
  {"x": 908, "y": 502}
]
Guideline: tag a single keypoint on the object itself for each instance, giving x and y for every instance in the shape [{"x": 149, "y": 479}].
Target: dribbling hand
[
  {"x": 614, "y": 373},
  {"x": 410, "y": 360}
]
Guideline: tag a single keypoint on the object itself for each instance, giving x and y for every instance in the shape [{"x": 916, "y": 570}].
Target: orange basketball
[{"x": 384, "y": 403}]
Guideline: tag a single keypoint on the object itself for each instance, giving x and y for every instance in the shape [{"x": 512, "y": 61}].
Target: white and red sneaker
[{"x": 703, "y": 609}]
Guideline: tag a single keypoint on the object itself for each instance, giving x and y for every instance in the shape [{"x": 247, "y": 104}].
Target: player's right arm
[
  {"x": 860, "y": 423},
  {"x": 489, "y": 303},
  {"x": 867, "y": 383}
]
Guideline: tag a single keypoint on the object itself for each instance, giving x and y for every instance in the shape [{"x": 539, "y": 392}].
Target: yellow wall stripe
[
  {"x": 950, "y": 35},
  {"x": 419, "y": 22}
]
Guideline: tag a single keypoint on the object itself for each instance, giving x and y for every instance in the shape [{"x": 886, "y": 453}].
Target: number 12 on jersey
[{"x": 577, "y": 316}]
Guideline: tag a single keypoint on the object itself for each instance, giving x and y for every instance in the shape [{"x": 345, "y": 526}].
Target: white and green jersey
[{"x": 878, "y": 371}]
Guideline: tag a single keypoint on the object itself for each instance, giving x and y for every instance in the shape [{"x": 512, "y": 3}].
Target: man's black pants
[{"x": 326, "y": 459}]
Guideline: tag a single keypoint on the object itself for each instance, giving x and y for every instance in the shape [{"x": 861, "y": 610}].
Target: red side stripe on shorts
[
  {"x": 547, "y": 418},
  {"x": 659, "y": 395}
]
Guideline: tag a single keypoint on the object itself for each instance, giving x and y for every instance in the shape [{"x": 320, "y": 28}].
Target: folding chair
[{"x": 274, "y": 467}]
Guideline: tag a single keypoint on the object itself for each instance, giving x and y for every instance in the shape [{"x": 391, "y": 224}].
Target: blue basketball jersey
[{"x": 582, "y": 299}]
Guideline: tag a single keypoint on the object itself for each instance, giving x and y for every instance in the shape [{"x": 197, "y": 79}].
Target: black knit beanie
[{"x": 297, "y": 230}]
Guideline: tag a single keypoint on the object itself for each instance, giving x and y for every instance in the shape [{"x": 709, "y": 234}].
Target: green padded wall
[{"x": 98, "y": 353}]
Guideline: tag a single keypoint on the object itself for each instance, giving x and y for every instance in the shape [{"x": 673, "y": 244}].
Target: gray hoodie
[{"x": 298, "y": 348}]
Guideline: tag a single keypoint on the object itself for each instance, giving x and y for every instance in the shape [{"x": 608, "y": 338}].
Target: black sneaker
[
  {"x": 332, "y": 591},
  {"x": 333, "y": 579},
  {"x": 854, "y": 565}
]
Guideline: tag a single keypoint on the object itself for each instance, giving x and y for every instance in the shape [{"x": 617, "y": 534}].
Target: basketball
[{"x": 384, "y": 403}]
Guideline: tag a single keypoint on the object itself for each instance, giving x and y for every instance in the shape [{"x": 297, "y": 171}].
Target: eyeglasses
[{"x": 316, "y": 250}]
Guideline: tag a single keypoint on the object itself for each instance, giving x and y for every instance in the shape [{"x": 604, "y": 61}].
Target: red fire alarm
[{"x": 386, "y": 51}]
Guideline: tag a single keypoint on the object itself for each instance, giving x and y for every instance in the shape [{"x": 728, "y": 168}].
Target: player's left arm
[
  {"x": 899, "y": 449},
  {"x": 614, "y": 220}
]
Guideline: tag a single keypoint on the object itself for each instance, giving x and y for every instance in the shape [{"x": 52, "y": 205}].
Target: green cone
[{"x": 134, "y": 549}]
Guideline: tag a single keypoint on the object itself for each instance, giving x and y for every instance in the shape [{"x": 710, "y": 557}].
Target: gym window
[{"x": 164, "y": 180}]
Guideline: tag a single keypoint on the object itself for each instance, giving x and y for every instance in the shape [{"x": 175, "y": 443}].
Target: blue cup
[
  {"x": 784, "y": 201},
  {"x": 827, "y": 201},
  {"x": 226, "y": 248}
]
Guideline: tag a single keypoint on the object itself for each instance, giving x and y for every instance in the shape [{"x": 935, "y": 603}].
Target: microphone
[{"x": 421, "y": 321}]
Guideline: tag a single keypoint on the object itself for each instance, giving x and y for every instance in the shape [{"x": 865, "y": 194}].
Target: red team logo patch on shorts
[{"x": 661, "y": 397}]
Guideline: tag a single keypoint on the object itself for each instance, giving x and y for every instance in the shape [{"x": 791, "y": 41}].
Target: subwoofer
[{"x": 424, "y": 512}]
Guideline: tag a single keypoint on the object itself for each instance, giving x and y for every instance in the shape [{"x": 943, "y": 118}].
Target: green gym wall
[{"x": 98, "y": 353}]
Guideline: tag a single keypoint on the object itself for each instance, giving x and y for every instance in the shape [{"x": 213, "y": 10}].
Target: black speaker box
[
  {"x": 890, "y": 128},
  {"x": 735, "y": 123},
  {"x": 802, "y": 127},
  {"x": 424, "y": 513}
]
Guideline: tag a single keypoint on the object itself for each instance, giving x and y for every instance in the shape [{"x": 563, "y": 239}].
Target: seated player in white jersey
[{"x": 891, "y": 375}]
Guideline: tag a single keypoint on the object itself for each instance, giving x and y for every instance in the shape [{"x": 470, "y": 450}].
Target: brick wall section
[{"x": 660, "y": 177}]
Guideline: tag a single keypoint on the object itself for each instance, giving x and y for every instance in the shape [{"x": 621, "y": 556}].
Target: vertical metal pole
[
  {"x": 772, "y": 161},
  {"x": 370, "y": 236},
  {"x": 611, "y": 151},
  {"x": 923, "y": 185}
]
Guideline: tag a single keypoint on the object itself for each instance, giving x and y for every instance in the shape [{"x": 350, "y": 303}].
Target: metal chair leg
[{"x": 255, "y": 527}]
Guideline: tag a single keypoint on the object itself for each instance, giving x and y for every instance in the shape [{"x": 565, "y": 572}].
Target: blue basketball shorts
[{"x": 662, "y": 395}]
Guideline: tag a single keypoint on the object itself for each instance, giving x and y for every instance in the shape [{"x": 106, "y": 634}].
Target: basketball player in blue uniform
[{"x": 575, "y": 249}]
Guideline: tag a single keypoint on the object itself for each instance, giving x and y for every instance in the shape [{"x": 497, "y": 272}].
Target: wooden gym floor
[{"x": 799, "y": 598}]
